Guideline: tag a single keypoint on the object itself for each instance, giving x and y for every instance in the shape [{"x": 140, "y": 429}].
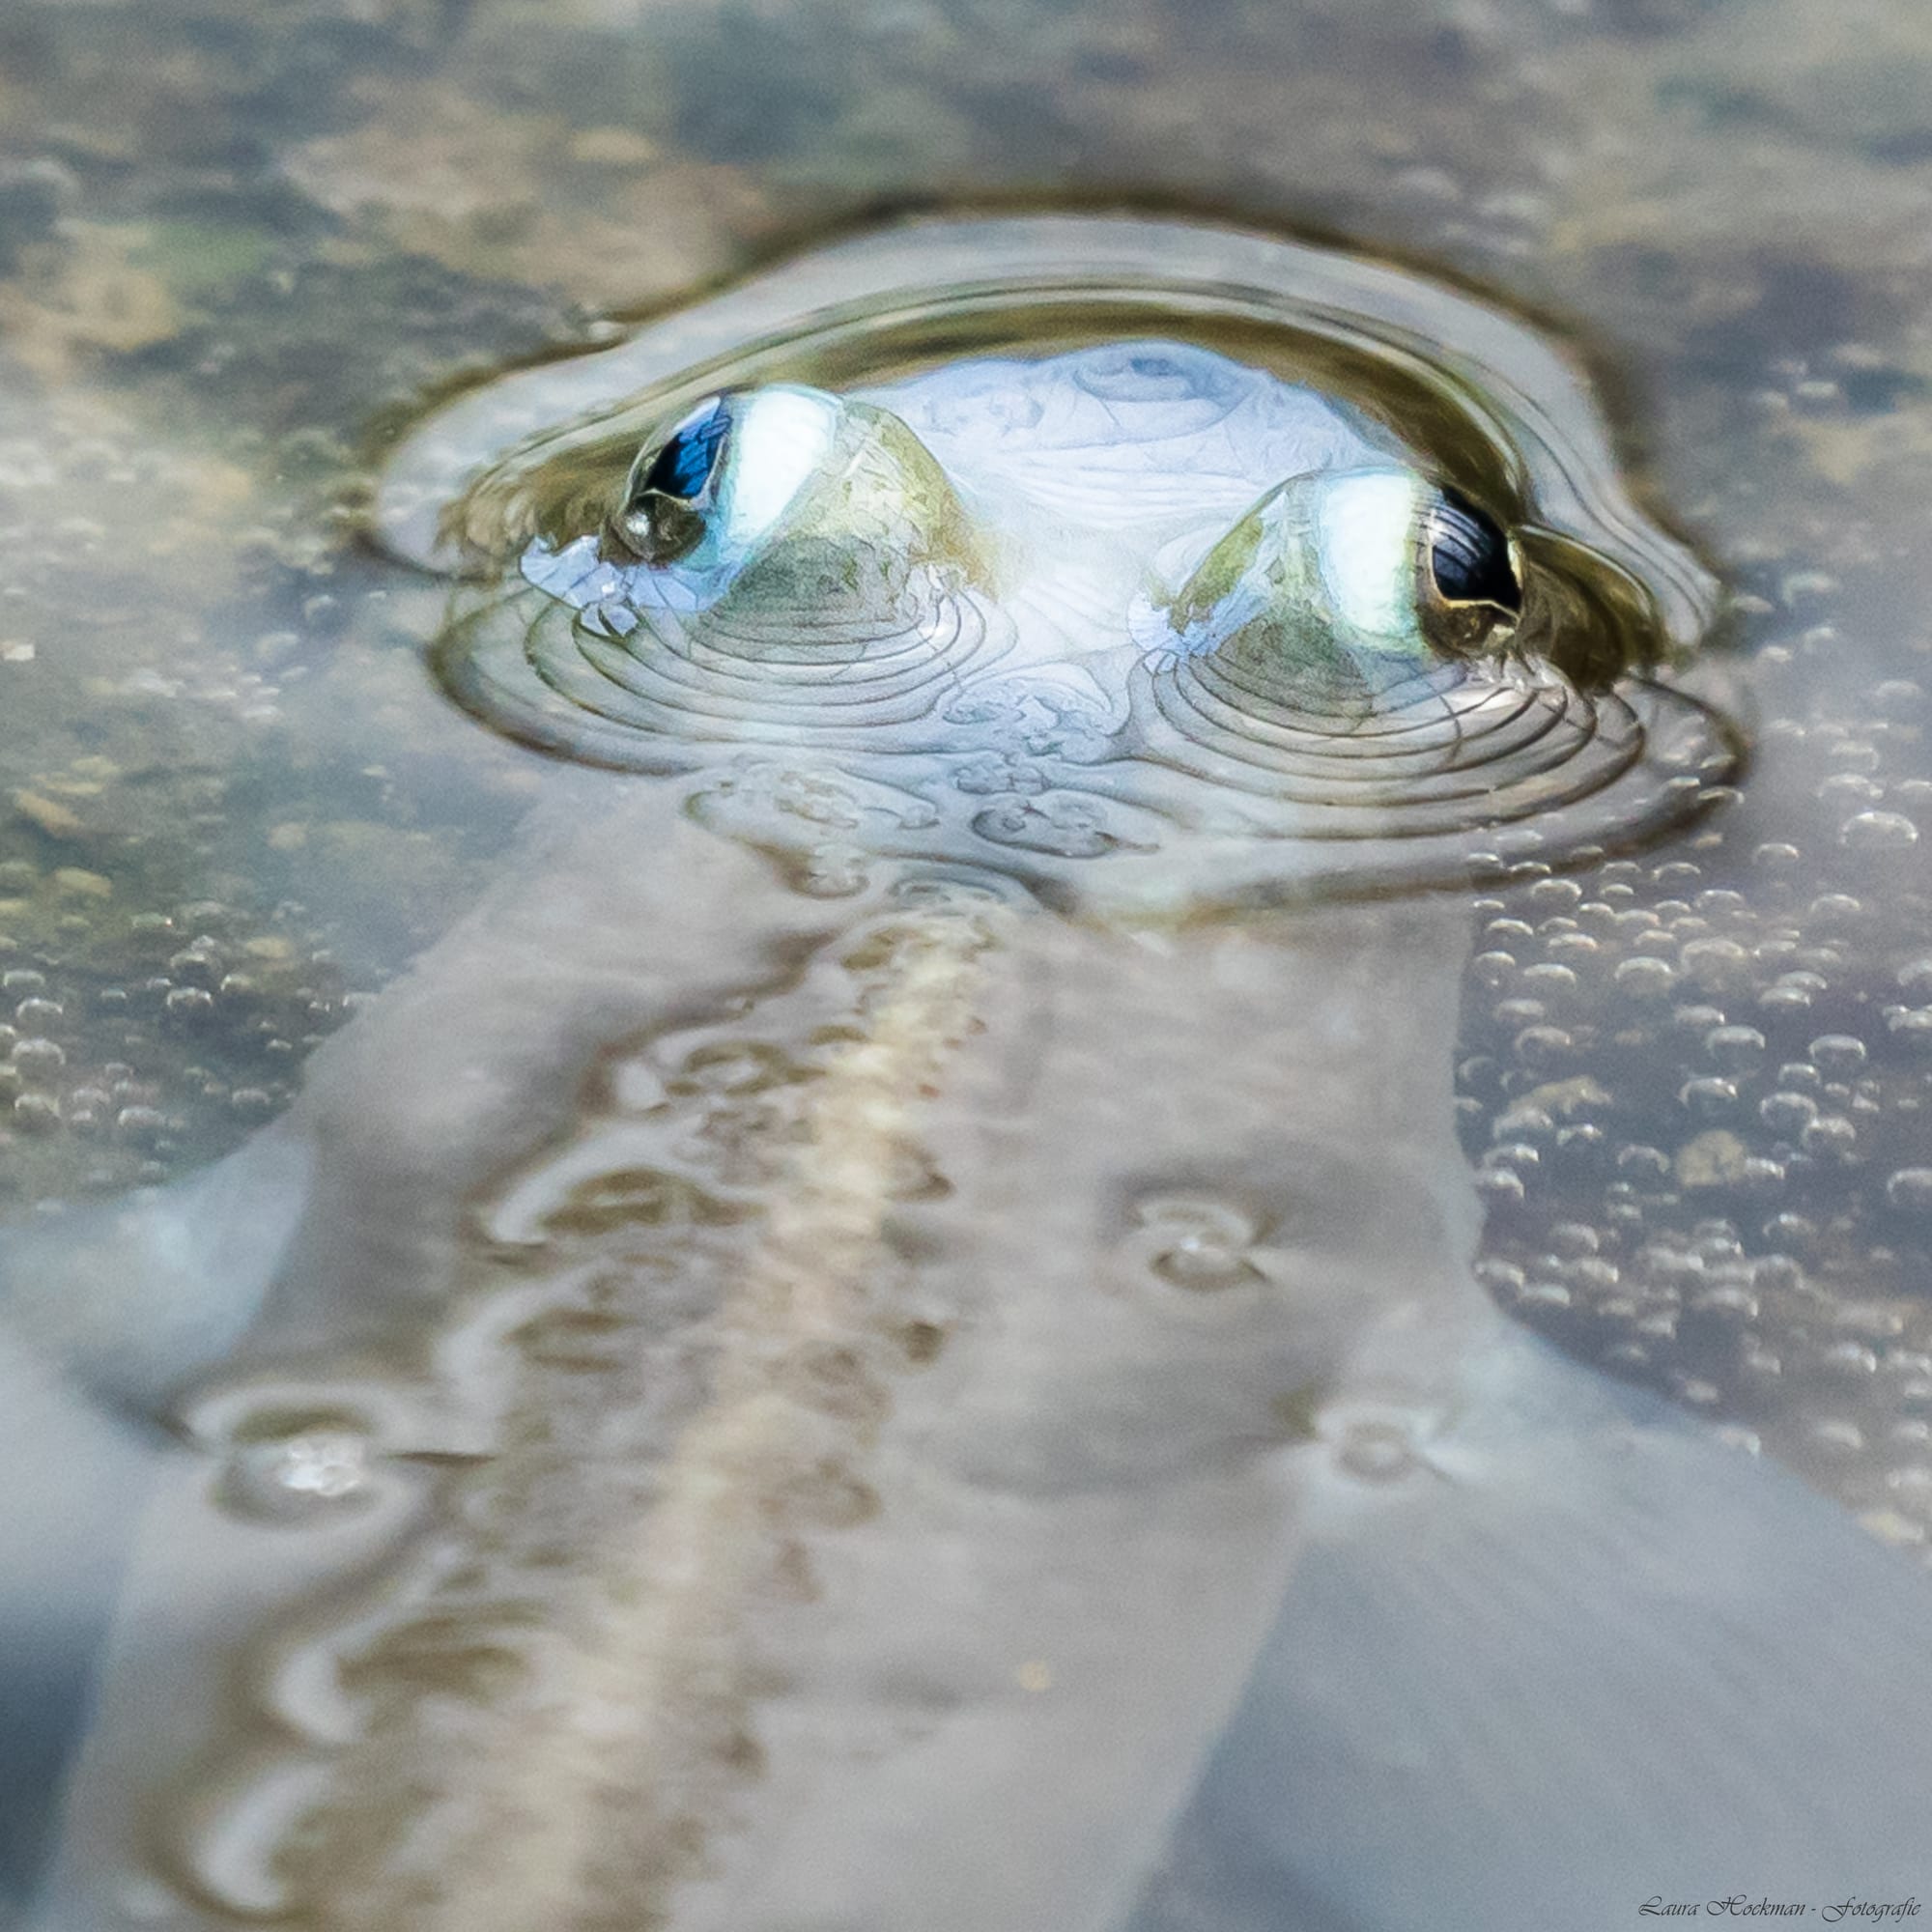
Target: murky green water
[{"x": 241, "y": 247}]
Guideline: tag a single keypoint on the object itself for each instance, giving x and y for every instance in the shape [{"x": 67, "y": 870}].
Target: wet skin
[{"x": 1060, "y": 1471}]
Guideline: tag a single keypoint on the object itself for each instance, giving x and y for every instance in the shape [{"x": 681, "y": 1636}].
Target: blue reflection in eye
[{"x": 685, "y": 463}]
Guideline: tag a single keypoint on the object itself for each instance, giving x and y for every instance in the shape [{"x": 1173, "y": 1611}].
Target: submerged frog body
[{"x": 915, "y": 1363}]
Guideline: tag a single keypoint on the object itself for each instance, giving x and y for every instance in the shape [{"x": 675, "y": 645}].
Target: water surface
[{"x": 1690, "y": 1081}]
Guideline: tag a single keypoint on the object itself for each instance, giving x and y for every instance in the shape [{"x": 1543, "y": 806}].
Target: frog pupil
[
  {"x": 1469, "y": 556},
  {"x": 684, "y": 465}
]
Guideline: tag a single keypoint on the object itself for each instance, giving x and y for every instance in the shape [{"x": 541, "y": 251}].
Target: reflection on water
[{"x": 773, "y": 1408}]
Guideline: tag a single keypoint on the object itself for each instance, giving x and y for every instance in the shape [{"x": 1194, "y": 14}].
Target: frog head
[{"x": 1133, "y": 625}]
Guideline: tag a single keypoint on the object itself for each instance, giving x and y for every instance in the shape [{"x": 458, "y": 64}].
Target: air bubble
[
  {"x": 196, "y": 966},
  {"x": 1829, "y": 1136},
  {"x": 1524, "y": 1122},
  {"x": 1735, "y": 1048},
  {"x": 1549, "y": 980},
  {"x": 1848, "y": 789},
  {"x": 1643, "y": 978},
  {"x": 1375, "y": 1451},
  {"x": 1709, "y": 1097},
  {"x": 1499, "y": 1277},
  {"x": 1789, "y": 1230},
  {"x": 1878, "y": 832},
  {"x": 1648, "y": 1166},
  {"x": 1910, "y": 1026},
  {"x": 1570, "y": 952},
  {"x": 1850, "y": 1358},
  {"x": 1838, "y": 1053},
  {"x": 1201, "y": 1261},
  {"x": 1543, "y": 1046},
  {"x": 1909, "y": 1191},
  {"x": 1590, "y": 1272},
  {"x": 38, "y": 1060},
  {"x": 1830, "y": 910},
  {"x": 298, "y": 1476},
  {"x": 1791, "y": 993},
  {"x": 1720, "y": 902},
  {"x": 1853, "y": 754},
  {"x": 1494, "y": 969},
  {"x": 1517, "y": 1013},
  {"x": 1729, "y": 1300},
  {"x": 1696, "y": 1019},
  {"x": 1715, "y": 964},
  {"x": 1200, "y": 1246},
  {"x": 1912, "y": 1485}
]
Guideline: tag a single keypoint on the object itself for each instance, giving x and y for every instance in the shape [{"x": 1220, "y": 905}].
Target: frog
[{"x": 884, "y": 1334}]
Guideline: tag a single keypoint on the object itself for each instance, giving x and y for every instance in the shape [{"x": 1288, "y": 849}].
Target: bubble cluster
[
  {"x": 137, "y": 1043},
  {"x": 297, "y": 1469},
  {"x": 1697, "y": 1092}
]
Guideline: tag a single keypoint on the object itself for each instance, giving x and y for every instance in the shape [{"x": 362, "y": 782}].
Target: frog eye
[
  {"x": 685, "y": 463},
  {"x": 715, "y": 485},
  {"x": 780, "y": 563},
  {"x": 1403, "y": 569},
  {"x": 1362, "y": 648},
  {"x": 1469, "y": 556},
  {"x": 1348, "y": 580},
  {"x": 1471, "y": 571}
]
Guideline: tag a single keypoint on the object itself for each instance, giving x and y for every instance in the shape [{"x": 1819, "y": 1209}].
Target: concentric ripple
[
  {"x": 653, "y": 686},
  {"x": 1438, "y": 751},
  {"x": 1000, "y": 447}
]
